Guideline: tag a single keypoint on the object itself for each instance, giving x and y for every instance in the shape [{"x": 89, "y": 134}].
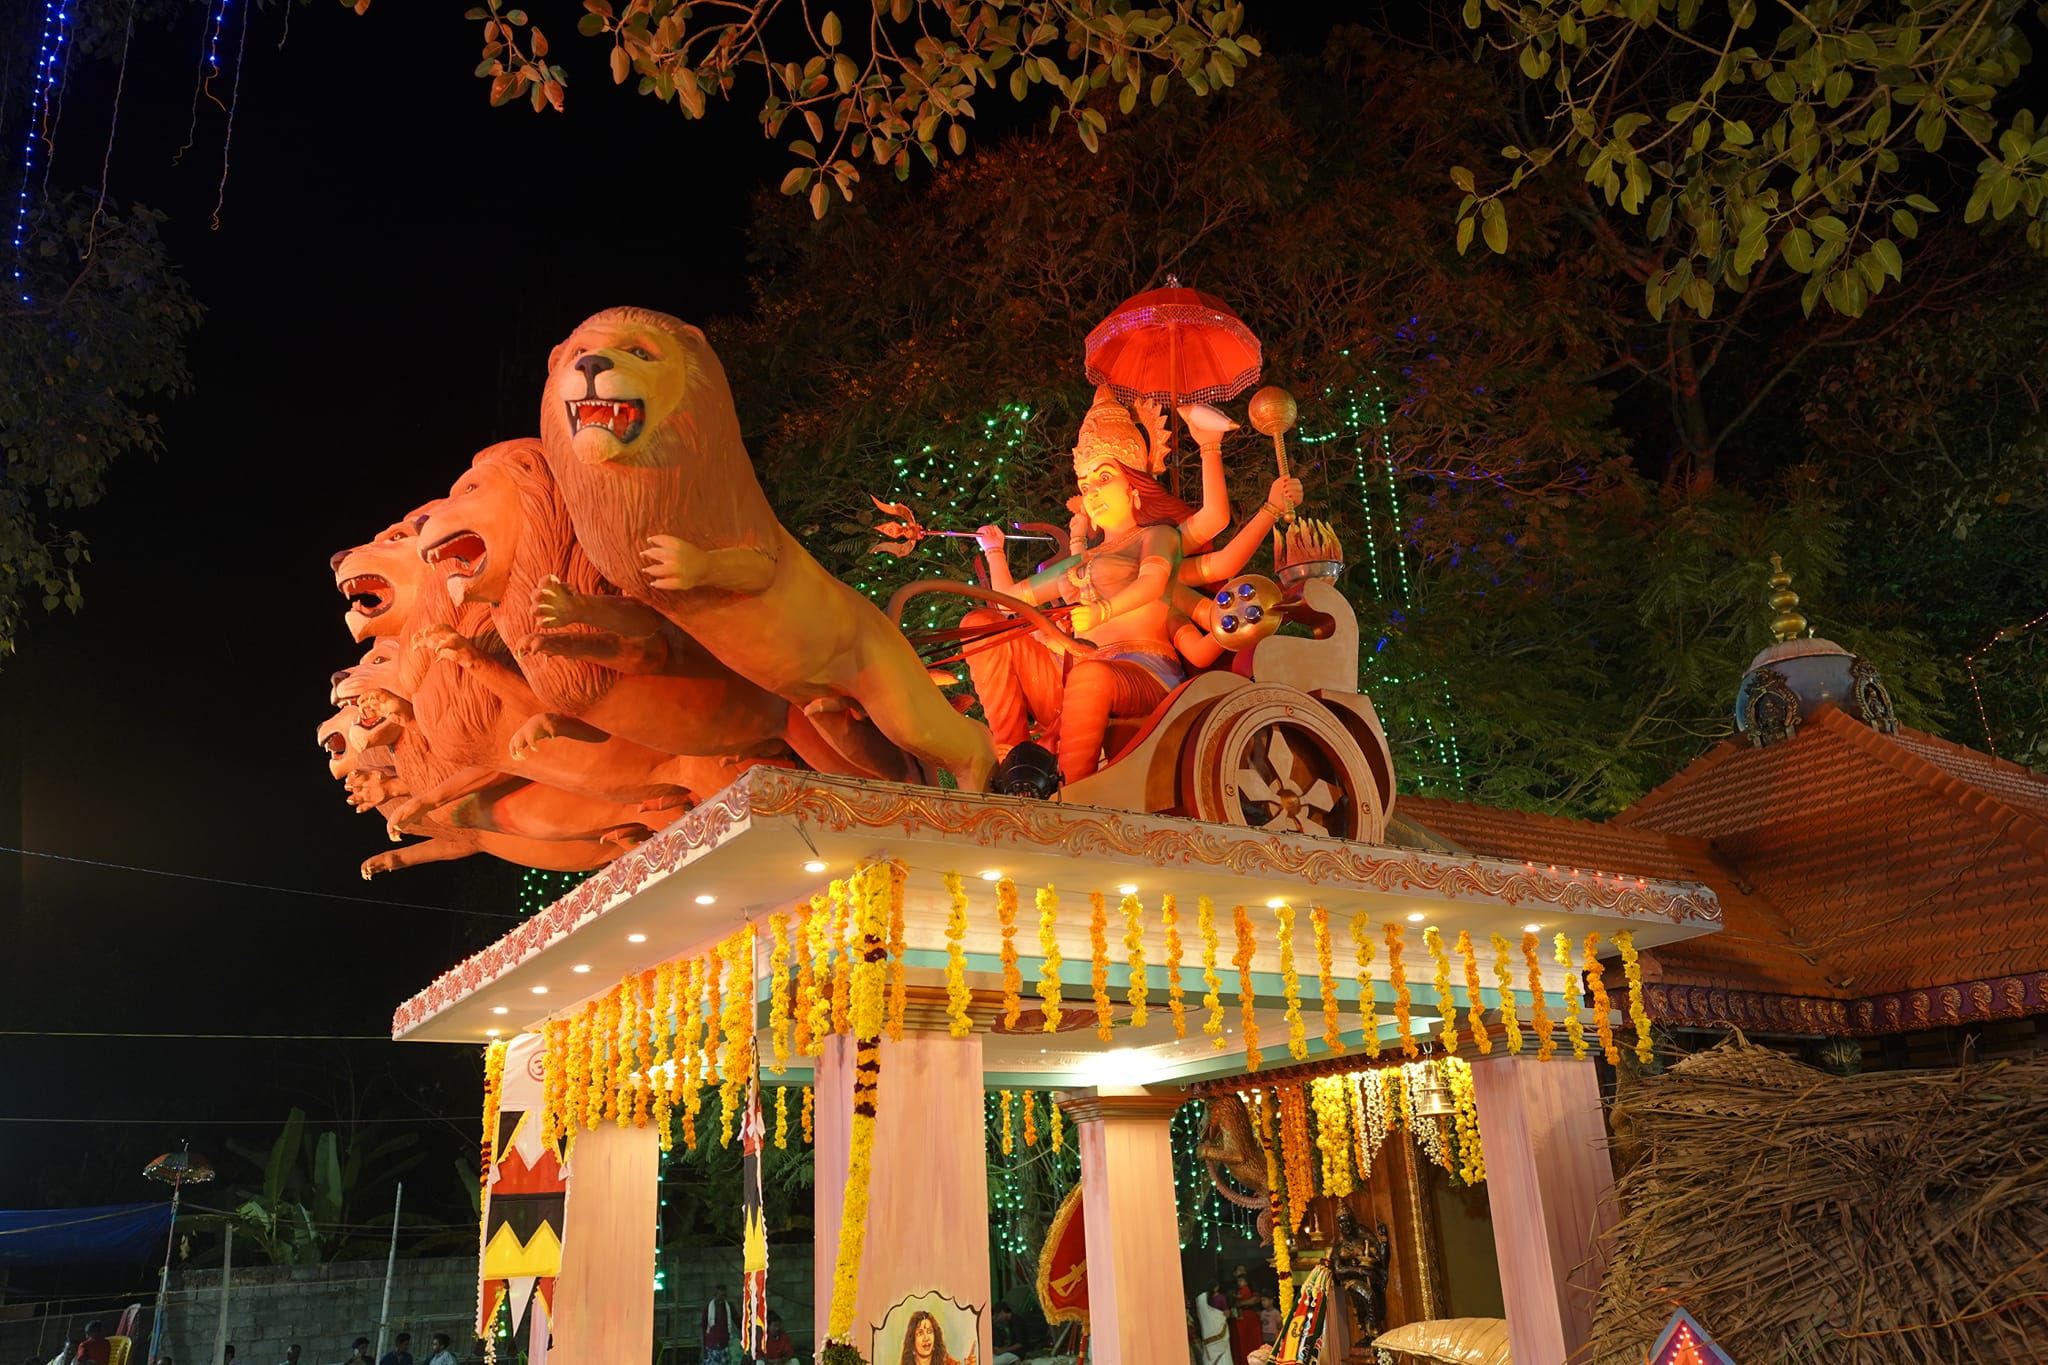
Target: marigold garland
[
  {"x": 899, "y": 990},
  {"x": 1574, "y": 1024},
  {"x": 1475, "y": 1000},
  {"x": 1176, "y": 1002},
  {"x": 1368, "y": 1013},
  {"x": 1247, "y": 997},
  {"x": 1282, "y": 1265},
  {"x": 1030, "y": 1119},
  {"x": 1212, "y": 999},
  {"x": 1290, "y": 985},
  {"x": 957, "y": 994},
  {"x": 494, "y": 1091},
  {"x": 1504, "y": 974},
  {"x": 1329, "y": 1097},
  {"x": 1056, "y": 1123},
  {"x": 1003, "y": 1099},
  {"x": 1445, "y": 1005},
  {"x": 806, "y": 1117},
  {"x": 842, "y": 967},
  {"x": 737, "y": 1025},
  {"x": 553, "y": 1035},
  {"x": 690, "y": 1061},
  {"x": 604, "y": 1044},
  {"x": 1397, "y": 976},
  {"x": 1603, "y": 1008},
  {"x": 1134, "y": 950},
  {"x": 782, "y": 1118},
  {"x": 1013, "y": 980},
  {"x": 1539, "y": 1016},
  {"x": 1638, "y": 1016},
  {"x": 629, "y": 1038},
  {"x": 1295, "y": 1150},
  {"x": 778, "y": 992},
  {"x": 1098, "y": 962},
  {"x": 820, "y": 932},
  {"x": 805, "y": 1002},
  {"x": 1465, "y": 1116},
  {"x": 1049, "y": 957},
  {"x": 643, "y": 1000},
  {"x": 867, "y": 1011},
  {"x": 1326, "y": 981}
]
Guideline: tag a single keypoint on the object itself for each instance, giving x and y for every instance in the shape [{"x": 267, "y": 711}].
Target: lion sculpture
[
  {"x": 639, "y": 429},
  {"x": 1229, "y": 1147}
]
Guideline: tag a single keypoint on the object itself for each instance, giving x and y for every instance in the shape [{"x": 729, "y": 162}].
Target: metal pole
[
  {"x": 390, "y": 1264},
  {"x": 227, "y": 1273},
  {"x": 163, "y": 1277}
]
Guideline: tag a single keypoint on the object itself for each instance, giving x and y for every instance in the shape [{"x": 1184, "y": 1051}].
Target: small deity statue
[
  {"x": 1359, "y": 1263},
  {"x": 1135, "y": 549}
]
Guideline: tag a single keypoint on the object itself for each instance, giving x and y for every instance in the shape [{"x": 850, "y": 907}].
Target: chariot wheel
[{"x": 1272, "y": 757}]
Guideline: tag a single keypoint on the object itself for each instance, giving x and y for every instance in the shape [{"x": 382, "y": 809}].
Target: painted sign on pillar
[
  {"x": 927, "y": 1329},
  {"x": 522, "y": 1222},
  {"x": 754, "y": 1238}
]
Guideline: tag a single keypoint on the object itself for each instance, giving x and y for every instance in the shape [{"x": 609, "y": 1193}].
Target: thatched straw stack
[{"x": 1893, "y": 1217}]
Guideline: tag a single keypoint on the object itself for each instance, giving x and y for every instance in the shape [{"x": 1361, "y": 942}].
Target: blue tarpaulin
[{"x": 109, "y": 1233}]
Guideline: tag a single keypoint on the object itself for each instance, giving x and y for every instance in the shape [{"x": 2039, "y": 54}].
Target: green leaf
[
  {"x": 1736, "y": 133},
  {"x": 1797, "y": 249},
  {"x": 1127, "y": 99},
  {"x": 1535, "y": 61},
  {"x": 1462, "y": 178},
  {"x": 1922, "y": 203},
  {"x": 956, "y": 138},
  {"x": 828, "y": 29},
  {"x": 1828, "y": 228},
  {"x": 1905, "y": 224},
  {"x": 1465, "y": 226},
  {"x": 1887, "y": 254},
  {"x": 1494, "y": 228}
]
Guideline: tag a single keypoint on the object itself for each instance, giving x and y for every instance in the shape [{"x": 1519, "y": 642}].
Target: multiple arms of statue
[
  {"x": 1227, "y": 562},
  {"x": 1208, "y": 426}
]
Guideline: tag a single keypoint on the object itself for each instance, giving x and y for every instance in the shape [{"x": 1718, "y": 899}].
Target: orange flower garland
[
  {"x": 1098, "y": 973},
  {"x": 553, "y": 1033},
  {"x": 806, "y": 1116},
  {"x": 737, "y": 1024},
  {"x": 1030, "y": 1119},
  {"x": 1049, "y": 957},
  {"x": 1176, "y": 1003},
  {"x": 1539, "y": 1017},
  {"x": 957, "y": 995},
  {"x": 778, "y": 993},
  {"x": 899, "y": 991},
  {"x": 1295, "y": 1150},
  {"x": 1326, "y": 981},
  {"x": 1638, "y": 1016},
  {"x": 819, "y": 931},
  {"x": 1134, "y": 949},
  {"x": 1212, "y": 999},
  {"x": 643, "y": 999},
  {"x": 1445, "y": 1005},
  {"x": 1603, "y": 1008},
  {"x": 690, "y": 1055},
  {"x": 1574, "y": 1023},
  {"x": 1511, "y": 1026},
  {"x": 1013, "y": 980},
  {"x": 1003, "y": 1103},
  {"x": 806, "y": 1000},
  {"x": 1246, "y": 995},
  {"x": 1475, "y": 1001},
  {"x": 1397, "y": 976},
  {"x": 1368, "y": 1013},
  {"x": 1262, "y": 1113}
]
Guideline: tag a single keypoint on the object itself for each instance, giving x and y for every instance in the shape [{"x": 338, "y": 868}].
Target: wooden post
[
  {"x": 604, "y": 1297},
  {"x": 1550, "y": 1188},
  {"x": 1137, "y": 1305}
]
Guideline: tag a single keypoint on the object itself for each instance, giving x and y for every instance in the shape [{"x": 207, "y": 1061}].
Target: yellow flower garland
[
  {"x": 643, "y": 993},
  {"x": 1212, "y": 999},
  {"x": 690, "y": 1063},
  {"x": 1539, "y": 1017},
  {"x": 1465, "y": 1116},
  {"x": 1030, "y": 1119},
  {"x": 494, "y": 1081},
  {"x": 842, "y": 967},
  {"x": 806, "y": 1117},
  {"x": 957, "y": 994},
  {"x": 1445, "y": 1005},
  {"x": 1329, "y": 1097},
  {"x": 778, "y": 993},
  {"x": 1013, "y": 980},
  {"x": 782, "y": 1118},
  {"x": 1326, "y": 981},
  {"x": 1397, "y": 977},
  {"x": 1638, "y": 1015},
  {"x": 737, "y": 1025},
  {"x": 820, "y": 933},
  {"x": 1098, "y": 962},
  {"x": 1247, "y": 997},
  {"x": 1057, "y": 1124},
  {"x": 805, "y": 1001},
  {"x": 1361, "y": 952},
  {"x": 1049, "y": 957},
  {"x": 1603, "y": 1008},
  {"x": 629, "y": 1036},
  {"x": 1475, "y": 1000},
  {"x": 1176, "y": 1002},
  {"x": 1504, "y": 974},
  {"x": 1134, "y": 949},
  {"x": 899, "y": 990},
  {"x": 1282, "y": 1265},
  {"x": 1574, "y": 1024},
  {"x": 1290, "y": 985},
  {"x": 1003, "y": 1102},
  {"x": 551, "y": 1033},
  {"x": 604, "y": 1042},
  {"x": 866, "y": 1013}
]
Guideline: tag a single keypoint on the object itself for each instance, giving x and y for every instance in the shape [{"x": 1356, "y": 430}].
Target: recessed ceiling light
[
  {"x": 1275, "y": 903},
  {"x": 500, "y": 1009},
  {"x": 991, "y": 874},
  {"x": 540, "y": 990},
  {"x": 1415, "y": 917},
  {"x": 491, "y": 1032},
  {"x": 636, "y": 938},
  {"x": 580, "y": 967},
  {"x": 814, "y": 866},
  {"x": 1128, "y": 889},
  {"x": 706, "y": 899},
  {"x": 1531, "y": 928}
]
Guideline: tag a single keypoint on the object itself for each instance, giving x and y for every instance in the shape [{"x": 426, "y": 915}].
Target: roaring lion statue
[{"x": 638, "y": 426}]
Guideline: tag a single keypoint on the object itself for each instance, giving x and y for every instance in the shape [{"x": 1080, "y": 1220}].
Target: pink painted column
[
  {"x": 1137, "y": 1306},
  {"x": 604, "y": 1297},
  {"x": 1550, "y": 1187},
  {"x": 928, "y": 1222}
]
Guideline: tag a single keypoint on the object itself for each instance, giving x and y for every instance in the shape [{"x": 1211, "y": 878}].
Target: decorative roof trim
[{"x": 2010, "y": 996}]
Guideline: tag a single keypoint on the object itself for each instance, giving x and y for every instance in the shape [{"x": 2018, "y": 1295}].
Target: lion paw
[
  {"x": 562, "y": 644},
  {"x": 446, "y": 642},
  {"x": 674, "y": 564},
  {"x": 554, "y": 603},
  {"x": 383, "y": 862}
]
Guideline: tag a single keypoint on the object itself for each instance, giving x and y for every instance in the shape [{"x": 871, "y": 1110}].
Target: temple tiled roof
[{"x": 1875, "y": 871}]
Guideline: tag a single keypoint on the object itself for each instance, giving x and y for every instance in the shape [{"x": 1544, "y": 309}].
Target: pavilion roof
[{"x": 1856, "y": 871}]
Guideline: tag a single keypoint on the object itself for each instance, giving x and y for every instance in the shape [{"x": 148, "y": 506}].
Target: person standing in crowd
[
  {"x": 443, "y": 1353},
  {"x": 228, "y": 1356},
  {"x": 718, "y": 1330},
  {"x": 1212, "y": 1326},
  {"x": 1269, "y": 1321},
  {"x": 292, "y": 1354},
  {"x": 360, "y": 1354},
  {"x": 400, "y": 1352},
  {"x": 92, "y": 1346}
]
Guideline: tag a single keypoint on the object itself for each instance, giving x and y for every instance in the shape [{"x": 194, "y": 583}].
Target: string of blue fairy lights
[{"x": 50, "y": 50}]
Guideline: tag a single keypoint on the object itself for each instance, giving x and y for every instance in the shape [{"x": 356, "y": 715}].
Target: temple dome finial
[
  {"x": 1798, "y": 675},
  {"x": 1789, "y": 624}
]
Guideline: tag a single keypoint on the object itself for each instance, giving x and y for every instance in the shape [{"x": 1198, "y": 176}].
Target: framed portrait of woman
[{"x": 928, "y": 1329}]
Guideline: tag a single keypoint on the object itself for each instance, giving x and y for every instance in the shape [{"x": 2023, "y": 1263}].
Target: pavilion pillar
[
  {"x": 1137, "y": 1305},
  {"x": 1550, "y": 1188},
  {"x": 928, "y": 1220},
  {"x": 604, "y": 1297}
]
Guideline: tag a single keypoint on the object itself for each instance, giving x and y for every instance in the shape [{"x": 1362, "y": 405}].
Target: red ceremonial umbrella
[{"x": 1173, "y": 346}]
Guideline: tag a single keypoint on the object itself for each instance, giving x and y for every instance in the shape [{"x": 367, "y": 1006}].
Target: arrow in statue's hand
[{"x": 902, "y": 536}]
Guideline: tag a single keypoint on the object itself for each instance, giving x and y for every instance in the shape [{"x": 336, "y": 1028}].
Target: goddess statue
[{"x": 1136, "y": 551}]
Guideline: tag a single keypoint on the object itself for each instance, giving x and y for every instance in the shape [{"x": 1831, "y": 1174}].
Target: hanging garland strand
[
  {"x": 1638, "y": 1016},
  {"x": 1326, "y": 981},
  {"x": 1290, "y": 985},
  {"x": 1247, "y": 996},
  {"x": 1504, "y": 976},
  {"x": 1212, "y": 999},
  {"x": 1176, "y": 1002},
  {"x": 1574, "y": 1023},
  {"x": 1134, "y": 949},
  {"x": 1049, "y": 957},
  {"x": 1013, "y": 980},
  {"x": 868, "y": 1013},
  {"x": 1368, "y": 1013},
  {"x": 1098, "y": 962},
  {"x": 957, "y": 994},
  {"x": 1475, "y": 1001},
  {"x": 778, "y": 993},
  {"x": 1445, "y": 1006},
  {"x": 1603, "y": 1008},
  {"x": 1539, "y": 1017},
  {"x": 1397, "y": 976},
  {"x": 899, "y": 990}
]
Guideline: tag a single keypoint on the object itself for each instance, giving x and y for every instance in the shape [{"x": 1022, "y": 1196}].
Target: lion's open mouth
[
  {"x": 335, "y": 743},
  {"x": 458, "y": 556},
  {"x": 622, "y": 417},
  {"x": 369, "y": 594}
]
